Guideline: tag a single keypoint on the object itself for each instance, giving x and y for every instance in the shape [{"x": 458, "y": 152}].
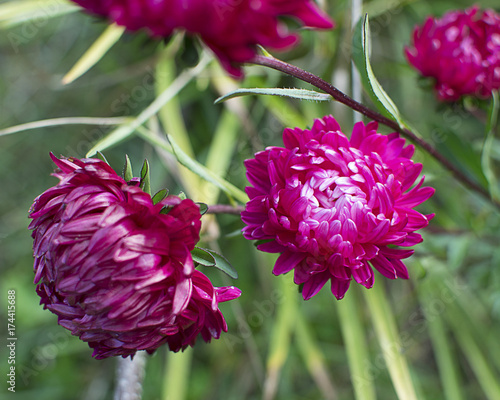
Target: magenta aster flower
[
  {"x": 116, "y": 271},
  {"x": 334, "y": 208},
  {"x": 231, "y": 28},
  {"x": 461, "y": 51}
]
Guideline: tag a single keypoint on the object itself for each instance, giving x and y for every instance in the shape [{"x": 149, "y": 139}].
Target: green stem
[
  {"x": 390, "y": 343},
  {"x": 357, "y": 350},
  {"x": 313, "y": 358},
  {"x": 177, "y": 375},
  {"x": 280, "y": 337},
  {"x": 447, "y": 363},
  {"x": 341, "y": 97}
]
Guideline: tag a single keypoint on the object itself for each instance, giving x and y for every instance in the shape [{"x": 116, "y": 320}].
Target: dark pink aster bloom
[
  {"x": 231, "y": 28},
  {"x": 461, "y": 51},
  {"x": 117, "y": 272},
  {"x": 333, "y": 207}
]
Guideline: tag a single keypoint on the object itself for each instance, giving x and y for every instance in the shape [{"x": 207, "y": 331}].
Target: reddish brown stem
[
  {"x": 224, "y": 209},
  {"x": 314, "y": 80}
]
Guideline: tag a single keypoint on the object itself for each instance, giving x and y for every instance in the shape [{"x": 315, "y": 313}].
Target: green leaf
[
  {"x": 222, "y": 264},
  {"x": 182, "y": 195},
  {"x": 261, "y": 241},
  {"x": 193, "y": 165},
  {"x": 127, "y": 169},
  {"x": 203, "y": 257},
  {"x": 126, "y": 130},
  {"x": 94, "y": 53},
  {"x": 203, "y": 208},
  {"x": 160, "y": 195},
  {"x": 15, "y": 13},
  {"x": 486, "y": 155},
  {"x": 145, "y": 184},
  {"x": 383, "y": 318},
  {"x": 100, "y": 156},
  {"x": 206, "y": 174},
  {"x": 360, "y": 56},
  {"x": 301, "y": 94}
]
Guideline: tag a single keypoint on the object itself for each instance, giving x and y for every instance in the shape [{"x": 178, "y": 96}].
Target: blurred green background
[{"x": 278, "y": 346}]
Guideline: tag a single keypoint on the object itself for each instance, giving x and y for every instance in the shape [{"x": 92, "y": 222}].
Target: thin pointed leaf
[
  {"x": 206, "y": 174},
  {"x": 222, "y": 264},
  {"x": 160, "y": 195},
  {"x": 358, "y": 356},
  {"x": 125, "y": 131},
  {"x": 127, "y": 169},
  {"x": 47, "y": 123},
  {"x": 203, "y": 257},
  {"x": 301, "y": 94},
  {"x": 145, "y": 184},
  {"x": 193, "y": 165},
  {"x": 95, "y": 52},
  {"x": 18, "y": 12},
  {"x": 390, "y": 342},
  {"x": 203, "y": 208},
  {"x": 360, "y": 56},
  {"x": 100, "y": 156},
  {"x": 486, "y": 158}
]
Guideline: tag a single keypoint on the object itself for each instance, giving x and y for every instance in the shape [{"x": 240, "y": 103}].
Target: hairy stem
[
  {"x": 130, "y": 374},
  {"x": 225, "y": 209},
  {"x": 341, "y": 97}
]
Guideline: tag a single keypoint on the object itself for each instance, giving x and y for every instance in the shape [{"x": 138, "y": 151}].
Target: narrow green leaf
[
  {"x": 222, "y": 264},
  {"x": 101, "y": 157},
  {"x": 445, "y": 357},
  {"x": 171, "y": 116},
  {"x": 207, "y": 174},
  {"x": 126, "y": 130},
  {"x": 256, "y": 243},
  {"x": 203, "y": 208},
  {"x": 360, "y": 56},
  {"x": 159, "y": 196},
  {"x": 15, "y": 13},
  {"x": 182, "y": 195},
  {"x": 127, "y": 169},
  {"x": 485, "y": 373},
  {"x": 282, "y": 329},
  {"x": 264, "y": 51},
  {"x": 199, "y": 169},
  {"x": 314, "y": 360},
  {"x": 301, "y": 94},
  {"x": 145, "y": 184},
  {"x": 203, "y": 257},
  {"x": 389, "y": 341},
  {"x": 47, "y": 123},
  {"x": 177, "y": 382},
  {"x": 95, "y": 52},
  {"x": 358, "y": 356},
  {"x": 486, "y": 155}
]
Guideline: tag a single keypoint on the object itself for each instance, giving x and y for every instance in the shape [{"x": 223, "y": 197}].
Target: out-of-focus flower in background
[
  {"x": 461, "y": 51},
  {"x": 232, "y": 29},
  {"x": 333, "y": 207},
  {"x": 117, "y": 269}
]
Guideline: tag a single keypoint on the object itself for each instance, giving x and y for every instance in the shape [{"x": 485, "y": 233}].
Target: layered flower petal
[
  {"x": 461, "y": 51},
  {"x": 232, "y": 29},
  {"x": 116, "y": 271},
  {"x": 333, "y": 206}
]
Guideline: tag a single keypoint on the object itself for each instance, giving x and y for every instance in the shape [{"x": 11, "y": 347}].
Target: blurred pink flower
[
  {"x": 117, "y": 272},
  {"x": 461, "y": 51},
  {"x": 231, "y": 28},
  {"x": 332, "y": 207}
]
